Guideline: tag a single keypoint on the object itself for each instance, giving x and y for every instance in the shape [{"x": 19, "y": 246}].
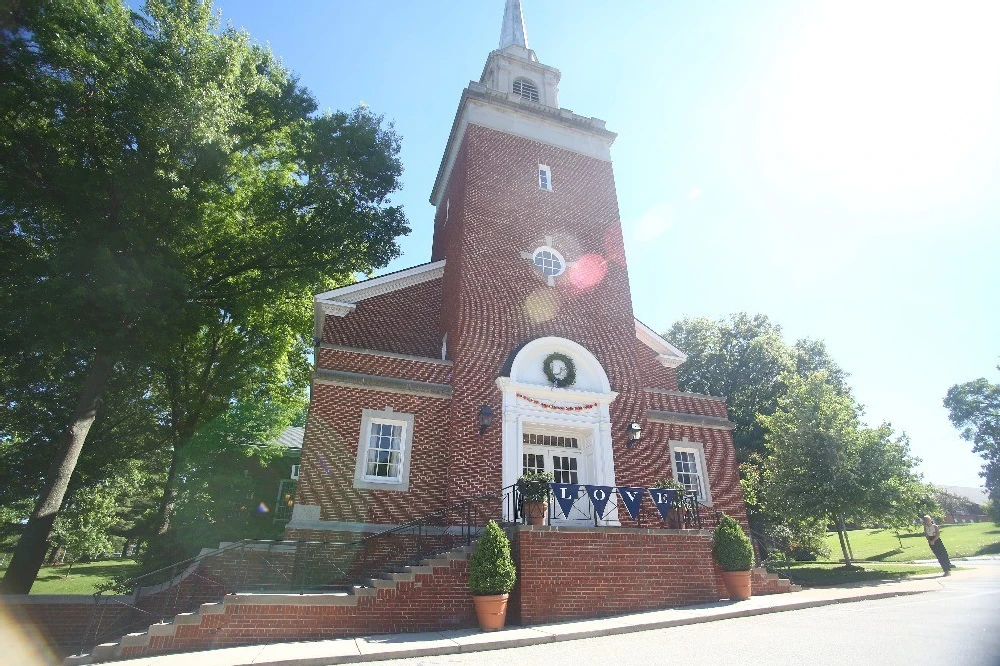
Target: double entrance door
[{"x": 561, "y": 455}]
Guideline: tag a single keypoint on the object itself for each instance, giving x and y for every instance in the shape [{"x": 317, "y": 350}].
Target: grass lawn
[
  {"x": 81, "y": 579},
  {"x": 882, "y": 546},
  {"x": 829, "y": 573}
]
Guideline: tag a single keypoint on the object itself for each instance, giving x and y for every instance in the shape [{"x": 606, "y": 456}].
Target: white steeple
[{"x": 513, "y": 32}]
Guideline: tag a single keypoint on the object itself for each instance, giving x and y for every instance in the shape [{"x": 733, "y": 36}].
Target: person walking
[{"x": 933, "y": 534}]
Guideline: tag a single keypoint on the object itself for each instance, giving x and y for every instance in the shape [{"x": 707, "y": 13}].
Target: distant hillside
[{"x": 975, "y": 495}]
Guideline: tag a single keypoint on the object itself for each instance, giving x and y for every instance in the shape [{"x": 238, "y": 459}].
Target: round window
[{"x": 549, "y": 261}]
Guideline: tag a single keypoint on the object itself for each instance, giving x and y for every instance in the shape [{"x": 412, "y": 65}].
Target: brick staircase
[
  {"x": 432, "y": 595},
  {"x": 770, "y": 583}
]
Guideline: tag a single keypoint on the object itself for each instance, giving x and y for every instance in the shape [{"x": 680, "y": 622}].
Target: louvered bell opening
[{"x": 526, "y": 90}]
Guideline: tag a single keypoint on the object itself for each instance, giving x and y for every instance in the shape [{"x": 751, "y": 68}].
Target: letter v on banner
[
  {"x": 566, "y": 494},
  {"x": 599, "y": 496},
  {"x": 632, "y": 499},
  {"x": 663, "y": 499}
]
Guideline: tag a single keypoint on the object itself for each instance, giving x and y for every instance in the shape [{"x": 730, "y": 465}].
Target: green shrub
[
  {"x": 534, "y": 486},
  {"x": 491, "y": 568},
  {"x": 732, "y": 548}
]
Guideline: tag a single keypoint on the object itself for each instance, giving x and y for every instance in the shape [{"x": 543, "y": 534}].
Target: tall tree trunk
[
  {"x": 169, "y": 500},
  {"x": 841, "y": 531},
  {"x": 30, "y": 550}
]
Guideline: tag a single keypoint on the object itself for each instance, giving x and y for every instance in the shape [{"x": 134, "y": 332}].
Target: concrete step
[{"x": 104, "y": 652}]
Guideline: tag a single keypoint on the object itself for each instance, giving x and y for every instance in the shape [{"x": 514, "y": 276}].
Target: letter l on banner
[{"x": 566, "y": 494}]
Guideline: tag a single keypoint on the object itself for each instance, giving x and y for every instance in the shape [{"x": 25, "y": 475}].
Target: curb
[{"x": 463, "y": 641}]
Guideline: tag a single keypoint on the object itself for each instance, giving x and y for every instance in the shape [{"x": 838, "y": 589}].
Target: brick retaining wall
[
  {"x": 567, "y": 573},
  {"x": 60, "y": 620}
]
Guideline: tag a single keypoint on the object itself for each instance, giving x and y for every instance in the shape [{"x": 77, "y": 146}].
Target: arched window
[{"x": 526, "y": 89}]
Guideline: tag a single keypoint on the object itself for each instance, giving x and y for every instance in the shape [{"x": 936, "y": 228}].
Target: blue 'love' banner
[
  {"x": 566, "y": 494},
  {"x": 663, "y": 499},
  {"x": 599, "y": 496},
  {"x": 632, "y": 499}
]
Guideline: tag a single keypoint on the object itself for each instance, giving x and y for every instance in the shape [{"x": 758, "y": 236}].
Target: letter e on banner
[{"x": 663, "y": 499}]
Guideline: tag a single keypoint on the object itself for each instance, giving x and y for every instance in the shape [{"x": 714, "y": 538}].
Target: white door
[{"x": 561, "y": 455}]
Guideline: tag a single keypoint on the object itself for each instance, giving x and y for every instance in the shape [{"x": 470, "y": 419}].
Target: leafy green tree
[
  {"x": 94, "y": 517},
  {"x": 745, "y": 359},
  {"x": 742, "y": 358},
  {"x": 993, "y": 510},
  {"x": 824, "y": 464},
  {"x": 974, "y": 408},
  {"x": 158, "y": 172}
]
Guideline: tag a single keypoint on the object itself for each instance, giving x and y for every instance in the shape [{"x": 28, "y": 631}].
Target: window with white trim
[
  {"x": 549, "y": 261},
  {"x": 384, "y": 450},
  {"x": 525, "y": 89},
  {"x": 688, "y": 460},
  {"x": 544, "y": 178},
  {"x": 384, "y": 455},
  {"x": 295, "y": 472}
]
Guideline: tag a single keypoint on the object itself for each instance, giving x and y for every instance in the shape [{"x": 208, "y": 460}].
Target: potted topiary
[
  {"x": 491, "y": 577},
  {"x": 534, "y": 487},
  {"x": 676, "y": 518},
  {"x": 734, "y": 553}
]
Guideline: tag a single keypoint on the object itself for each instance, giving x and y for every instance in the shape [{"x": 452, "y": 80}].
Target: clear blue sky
[{"x": 834, "y": 165}]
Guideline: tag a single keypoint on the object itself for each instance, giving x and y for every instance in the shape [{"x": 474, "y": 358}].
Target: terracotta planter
[
  {"x": 537, "y": 512},
  {"x": 491, "y": 611},
  {"x": 737, "y": 584}
]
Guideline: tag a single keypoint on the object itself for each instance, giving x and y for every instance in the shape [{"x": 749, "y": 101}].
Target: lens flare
[
  {"x": 23, "y": 643},
  {"x": 263, "y": 508},
  {"x": 542, "y": 304},
  {"x": 588, "y": 271}
]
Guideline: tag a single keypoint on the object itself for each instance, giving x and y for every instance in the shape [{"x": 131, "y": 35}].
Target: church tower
[{"x": 515, "y": 349}]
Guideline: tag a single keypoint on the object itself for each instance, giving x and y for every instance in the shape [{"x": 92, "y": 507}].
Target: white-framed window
[
  {"x": 688, "y": 461},
  {"x": 549, "y": 261},
  {"x": 544, "y": 178},
  {"x": 383, "y": 461},
  {"x": 295, "y": 472},
  {"x": 525, "y": 89}
]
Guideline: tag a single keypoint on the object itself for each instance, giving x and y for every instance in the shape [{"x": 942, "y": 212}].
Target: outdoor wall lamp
[
  {"x": 634, "y": 434},
  {"x": 485, "y": 418}
]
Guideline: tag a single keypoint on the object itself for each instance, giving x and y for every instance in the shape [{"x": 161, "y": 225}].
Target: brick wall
[
  {"x": 403, "y": 322},
  {"x": 653, "y": 373},
  {"x": 60, "y": 621},
  {"x": 384, "y": 366},
  {"x": 330, "y": 451},
  {"x": 569, "y": 573}
]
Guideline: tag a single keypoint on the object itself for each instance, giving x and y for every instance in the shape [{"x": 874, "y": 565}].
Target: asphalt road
[{"x": 957, "y": 626}]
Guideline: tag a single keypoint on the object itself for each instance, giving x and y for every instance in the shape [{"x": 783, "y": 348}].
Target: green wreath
[{"x": 567, "y": 379}]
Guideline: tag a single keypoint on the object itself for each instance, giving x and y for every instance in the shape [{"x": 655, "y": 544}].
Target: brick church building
[{"x": 515, "y": 348}]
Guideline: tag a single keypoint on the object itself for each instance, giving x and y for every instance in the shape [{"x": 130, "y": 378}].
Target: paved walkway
[{"x": 395, "y": 646}]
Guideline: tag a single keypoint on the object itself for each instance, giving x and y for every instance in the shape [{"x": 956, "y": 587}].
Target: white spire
[{"x": 513, "y": 31}]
